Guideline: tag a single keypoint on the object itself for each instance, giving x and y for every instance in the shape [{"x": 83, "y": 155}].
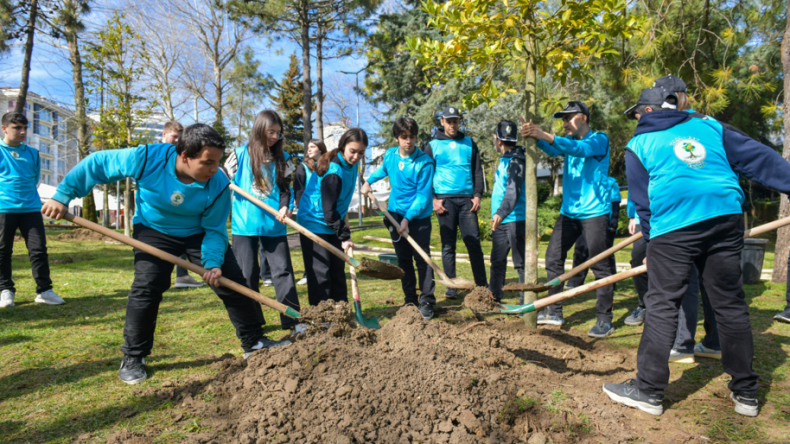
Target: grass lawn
[{"x": 58, "y": 364}]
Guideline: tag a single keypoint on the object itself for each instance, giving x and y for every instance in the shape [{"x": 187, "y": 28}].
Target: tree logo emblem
[
  {"x": 452, "y": 145},
  {"x": 401, "y": 165},
  {"x": 452, "y": 110},
  {"x": 177, "y": 198},
  {"x": 690, "y": 151},
  {"x": 15, "y": 154}
]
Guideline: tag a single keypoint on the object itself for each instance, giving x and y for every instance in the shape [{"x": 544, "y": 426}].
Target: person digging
[{"x": 182, "y": 208}]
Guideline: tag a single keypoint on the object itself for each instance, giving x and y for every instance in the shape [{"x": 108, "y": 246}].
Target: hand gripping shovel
[
  {"x": 368, "y": 267},
  {"x": 371, "y": 323},
  {"x": 458, "y": 282},
  {"x": 537, "y": 305},
  {"x": 576, "y": 270},
  {"x": 282, "y": 308}
]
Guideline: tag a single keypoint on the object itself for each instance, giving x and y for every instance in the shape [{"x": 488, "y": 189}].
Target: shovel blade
[
  {"x": 371, "y": 323},
  {"x": 528, "y": 287},
  {"x": 379, "y": 270},
  {"x": 457, "y": 283}
]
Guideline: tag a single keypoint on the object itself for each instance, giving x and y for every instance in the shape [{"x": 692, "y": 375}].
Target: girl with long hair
[
  {"x": 322, "y": 209},
  {"x": 262, "y": 169},
  {"x": 315, "y": 149}
]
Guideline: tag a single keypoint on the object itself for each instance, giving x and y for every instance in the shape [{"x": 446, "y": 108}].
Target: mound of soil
[
  {"x": 480, "y": 299},
  {"x": 84, "y": 234},
  {"x": 66, "y": 260},
  {"x": 417, "y": 381}
]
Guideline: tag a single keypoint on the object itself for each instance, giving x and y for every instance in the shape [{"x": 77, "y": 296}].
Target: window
[
  {"x": 44, "y": 115},
  {"x": 43, "y": 147},
  {"x": 41, "y": 130},
  {"x": 55, "y": 126},
  {"x": 61, "y": 165},
  {"x": 45, "y": 164},
  {"x": 46, "y": 178}
]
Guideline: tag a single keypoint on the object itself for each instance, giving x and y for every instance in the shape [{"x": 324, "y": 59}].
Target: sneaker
[
  {"x": 783, "y": 316},
  {"x": 49, "y": 297},
  {"x": 546, "y": 318},
  {"x": 601, "y": 330},
  {"x": 187, "y": 282},
  {"x": 705, "y": 352},
  {"x": 744, "y": 405},
  {"x": 267, "y": 283},
  {"x": 679, "y": 357},
  {"x": 266, "y": 343},
  {"x": 637, "y": 317},
  {"x": 627, "y": 393},
  {"x": 426, "y": 311},
  {"x": 132, "y": 370},
  {"x": 451, "y": 294},
  {"x": 302, "y": 281},
  {"x": 6, "y": 299}
]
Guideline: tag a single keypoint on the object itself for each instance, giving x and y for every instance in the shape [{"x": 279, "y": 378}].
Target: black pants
[
  {"x": 787, "y": 294},
  {"x": 420, "y": 231},
  {"x": 275, "y": 249},
  {"x": 507, "y": 237},
  {"x": 581, "y": 254},
  {"x": 181, "y": 272},
  {"x": 638, "y": 254},
  {"x": 31, "y": 225},
  {"x": 566, "y": 231},
  {"x": 266, "y": 270},
  {"x": 714, "y": 246},
  {"x": 459, "y": 215},
  {"x": 326, "y": 273},
  {"x": 152, "y": 278}
]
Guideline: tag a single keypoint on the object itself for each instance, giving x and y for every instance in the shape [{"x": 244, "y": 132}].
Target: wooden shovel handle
[
  {"x": 576, "y": 270},
  {"x": 354, "y": 284},
  {"x": 292, "y": 223},
  {"x": 413, "y": 242},
  {"x": 641, "y": 269},
  {"x": 176, "y": 260}
]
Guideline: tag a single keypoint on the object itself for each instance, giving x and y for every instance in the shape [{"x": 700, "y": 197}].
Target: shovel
[
  {"x": 537, "y": 305},
  {"x": 368, "y": 267},
  {"x": 458, "y": 282},
  {"x": 282, "y": 308},
  {"x": 371, "y": 323},
  {"x": 576, "y": 270}
]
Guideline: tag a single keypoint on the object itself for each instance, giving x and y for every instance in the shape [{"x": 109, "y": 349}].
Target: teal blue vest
[{"x": 453, "y": 166}]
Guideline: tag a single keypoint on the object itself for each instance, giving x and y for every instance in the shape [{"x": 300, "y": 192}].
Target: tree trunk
[
  {"x": 307, "y": 86},
  {"x": 319, "y": 78},
  {"x": 105, "y": 219},
  {"x": 128, "y": 205},
  {"x": 24, "y": 84},
  {"x": 783, "y": 236},
  {"x": 80, "y": 117},
  {"x": 531, "y": 185},
  {"x": 218, "y": 95},
  {"x": 241, "y": 109}
]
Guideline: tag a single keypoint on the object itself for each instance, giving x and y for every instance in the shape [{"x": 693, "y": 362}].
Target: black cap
[
  {"x": 671, "y": 84},
  {"x": 650, "y": 96},
  {"x": 573, "y": 107},
  {"x": 450, "y": 112},
  {"x": 507, "y": 131}
]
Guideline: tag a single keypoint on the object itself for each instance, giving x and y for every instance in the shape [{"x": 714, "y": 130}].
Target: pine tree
[{"x": 288, "y": 99}]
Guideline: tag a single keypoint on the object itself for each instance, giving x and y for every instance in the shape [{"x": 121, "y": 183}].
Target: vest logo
[
  {"x": 401, "y": 166},
  {"x": 15, "y": 154},
  {"x": 452, "y": 145},
  {"x": 690, "y": 151},
  {"x": 177, "y": 198}
]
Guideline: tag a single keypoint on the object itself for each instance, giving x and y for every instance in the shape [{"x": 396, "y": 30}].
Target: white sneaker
[
  {"x": 705, "y": 352},
  {"x": 267, "y": 283},
  {"x": 302, "y": 281},
  {"x": 6, "y": 299},
  {"x": 187, "y": 282},
  {"x": 49, "y": 297},
  {"x": 680, "y": 357}
]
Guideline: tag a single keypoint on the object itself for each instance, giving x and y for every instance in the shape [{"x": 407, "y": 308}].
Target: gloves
[{"x": 231, "y": 165}]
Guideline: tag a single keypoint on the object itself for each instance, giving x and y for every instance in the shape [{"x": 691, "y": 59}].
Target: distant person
[
  {"x": 410, "y": 172},
  {"x": 170, "y": 134},
  {"x": 785, "y": 315},
  {"x": 315, "y": 149},
  {"x": 457, "y": 189},
  {"x": 20, "y": 208}
]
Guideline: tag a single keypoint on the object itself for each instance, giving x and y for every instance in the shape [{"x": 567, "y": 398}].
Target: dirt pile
[
  {"x": 84, "y": 234},
  {"x": 417, "y": 381},
  {"x": 480, "y": 299}
]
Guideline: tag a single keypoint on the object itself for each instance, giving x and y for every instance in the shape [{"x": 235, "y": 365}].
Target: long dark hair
[
  {"x": 259, "y": 149},
  {"x": 352, "y": 135},
  {"x": 309, "y": 161}
]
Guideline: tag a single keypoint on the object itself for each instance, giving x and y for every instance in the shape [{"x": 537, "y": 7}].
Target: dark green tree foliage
[
  {"x": 288, "y": 99},
  {"x": 248, "y": 91}
]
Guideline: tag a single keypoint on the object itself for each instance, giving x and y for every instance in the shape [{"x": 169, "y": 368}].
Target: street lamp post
[{"x": 360, "y": 179}]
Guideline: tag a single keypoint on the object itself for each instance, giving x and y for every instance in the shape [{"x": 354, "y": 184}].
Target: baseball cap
[
  {"x": 671, "y": 83},
  {"x": 450, "y": 112},
  {"x": 507, "y": 131},
  {"x": 652, "y": 96},
  {"x": 573, "y": 107}
]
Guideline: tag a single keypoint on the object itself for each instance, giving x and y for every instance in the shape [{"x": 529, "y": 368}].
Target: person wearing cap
[
  {"x": 580, "y": 251},
  {"x": 682, "y": 171},
  {"x": 410, "y": 173},
  {"x": 457, "y": 189},
  {"x": 586, "y": 206},
  {"x": 508, "y": 208}
]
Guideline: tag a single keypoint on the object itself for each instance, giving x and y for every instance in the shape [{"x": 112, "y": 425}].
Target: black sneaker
[
  {"x": 637, "y": 317},
  {"x": 745, "y": 405},
  {"x": 627, "y": 393},
  {"x": 783, "y": 316},
  {"x": 266, "y": 343},
  {"x": 451, "y": 294},
  {"x": 601, "y": 330},
  {"x": 132, "y": 370},
  {"x": 426, "y": 311}
]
